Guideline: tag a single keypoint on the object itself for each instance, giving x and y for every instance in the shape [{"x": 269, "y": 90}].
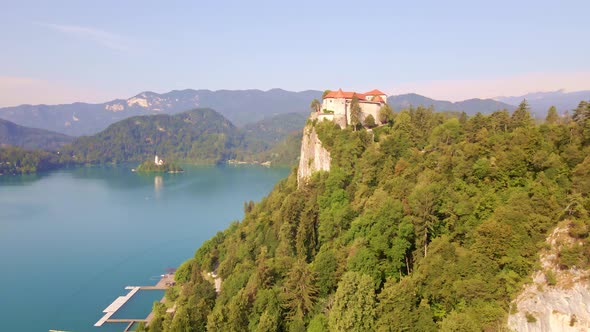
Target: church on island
[{"x": 336, "y": 106}]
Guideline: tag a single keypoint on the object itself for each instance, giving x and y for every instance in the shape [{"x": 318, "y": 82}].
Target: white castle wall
[{"x": 370, "y": 108}]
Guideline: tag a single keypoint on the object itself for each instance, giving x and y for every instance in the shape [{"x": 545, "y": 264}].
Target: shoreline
[{"x": 166, "y": 280}]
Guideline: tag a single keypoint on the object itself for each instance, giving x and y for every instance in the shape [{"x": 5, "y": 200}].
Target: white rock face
[
  {"x": 115, "y": 107},
  {"x": 314, "y": 157},
  {"x": 564, "y": 306},
  {"x": 139, "y": 101},
  {"x": 554, "y": 308}
]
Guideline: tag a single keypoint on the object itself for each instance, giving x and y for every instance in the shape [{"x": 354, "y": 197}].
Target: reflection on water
[
  {"x": 20, "y": 180},
  {"x": 78, "y": 236},
  {"x": 158, "y": 185}
]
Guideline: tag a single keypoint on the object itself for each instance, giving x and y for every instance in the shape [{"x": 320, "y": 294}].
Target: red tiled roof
[
  {"x": 339, "y": 94},
  {"x": 349, "y": 94},
  {"x": 377, "y": 98},
  {"x": 374, "y": 92},
  {"x": 345, "y": 94}
]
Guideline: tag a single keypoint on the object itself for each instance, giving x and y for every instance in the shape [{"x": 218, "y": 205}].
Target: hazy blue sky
[{"x": 57, "y": 51}]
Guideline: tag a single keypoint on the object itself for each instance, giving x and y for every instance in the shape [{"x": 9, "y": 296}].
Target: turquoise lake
[{"x": 71, "y": 240}]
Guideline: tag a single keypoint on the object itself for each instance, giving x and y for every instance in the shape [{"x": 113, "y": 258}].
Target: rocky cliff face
[
  {"x": 314, "y": 157},
  {"x": 556, "y": 300}
]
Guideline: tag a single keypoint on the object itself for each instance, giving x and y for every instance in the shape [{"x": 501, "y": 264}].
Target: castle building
[{"x": 336, "y": 106}]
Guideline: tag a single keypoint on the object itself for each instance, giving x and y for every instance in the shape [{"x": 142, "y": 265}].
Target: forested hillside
[
  {"x": 276, "y": 128},
  {"x": 284, "y": 152},
  {"x": 12, "y": 134},
  {"x": 200, "y": 136},
  {"x": 278, "y": 139},
  {"x": 432, "y": 222},
  {"x": 15, "y": 160}
]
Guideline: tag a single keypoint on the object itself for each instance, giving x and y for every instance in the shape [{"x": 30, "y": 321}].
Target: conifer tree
[
  {"x": 300, "y": 290},
  {"x": 582, "y": 112},
  {"x": 521, "y": 117},
  {"x": 552, "y": 117},
  {"x": 355, "y": 112}
]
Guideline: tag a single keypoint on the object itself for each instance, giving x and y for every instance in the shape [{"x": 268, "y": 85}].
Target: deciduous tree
[{"x": 354, "y": 304}]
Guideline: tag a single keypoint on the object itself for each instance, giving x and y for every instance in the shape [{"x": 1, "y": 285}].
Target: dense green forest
[
  {"x": 31, "y": 138},
  {"x": 273, "y": 130},
  {"x": 285, "y": 152},
  {"x": 280, "y": 136},
  {"x": 15, "y": 160},
  {"x": 432, "y": 222},
  {"x": 199, "y": 136}
]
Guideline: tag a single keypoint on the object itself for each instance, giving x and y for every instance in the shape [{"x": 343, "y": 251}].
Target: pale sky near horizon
[{"x": 66, "y": 51}]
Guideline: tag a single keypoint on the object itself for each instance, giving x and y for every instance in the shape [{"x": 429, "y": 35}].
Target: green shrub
[
  {"x": 578, "y": 229},
  {"x": 569, "y": 256},
  {"x": 530, "y": 318},
  {"x": 550, "y": 277},
  {"x": 369, "y": 121}
]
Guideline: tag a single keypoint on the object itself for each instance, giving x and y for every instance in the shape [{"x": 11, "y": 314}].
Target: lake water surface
[{"x": 70, "y": 241}]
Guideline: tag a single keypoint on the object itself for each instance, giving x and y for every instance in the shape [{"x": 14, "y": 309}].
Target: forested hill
[
  {"x": 12, "y": 134},
  {"x": 273, "y": 130},
  {"x": 433, "y": 222},
  {"x": 200, "y": 136}
]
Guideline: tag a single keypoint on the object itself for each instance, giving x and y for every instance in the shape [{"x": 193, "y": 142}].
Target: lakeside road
[{"x": 164, "y": 283}]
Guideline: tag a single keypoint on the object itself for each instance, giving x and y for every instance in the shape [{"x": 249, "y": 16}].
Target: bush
[
  {"x": 569, "y": 256},
  {"x": 369, "y": 121},
  {"x": 550, "y": 277},
  {"x": 577, "y": 229},
  {"x": 530, "y": 318}
]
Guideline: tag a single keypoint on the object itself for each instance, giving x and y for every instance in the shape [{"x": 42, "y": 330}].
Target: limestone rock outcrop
[
  {"x": 314, "y": 157},
  {"x": 557, "y": 300}
]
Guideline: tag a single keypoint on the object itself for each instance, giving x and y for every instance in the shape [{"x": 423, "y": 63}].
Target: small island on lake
[{"x": 158, "y": 166}]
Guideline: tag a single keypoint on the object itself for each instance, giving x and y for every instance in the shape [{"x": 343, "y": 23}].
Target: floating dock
[
  {"x": 164, "y": 283},
  {"x": 117, "y": 304}
]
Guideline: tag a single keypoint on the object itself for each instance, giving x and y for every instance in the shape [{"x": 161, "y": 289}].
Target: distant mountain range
[
  {"x": 469, "y": 106},
  {"x": 12, "y": 134},
  {"x": 541, "y": 101},
  {"x": 240, "y": 107},
  {"x": 246, "y": 107}
]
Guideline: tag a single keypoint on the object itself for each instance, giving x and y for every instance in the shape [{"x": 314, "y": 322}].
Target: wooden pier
[
  {"x": 125, "y": 320},
  {"x": 164, "y": 283}
]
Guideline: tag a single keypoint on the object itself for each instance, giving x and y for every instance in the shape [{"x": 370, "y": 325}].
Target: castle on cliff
[{"x": 336, "y": 106}]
